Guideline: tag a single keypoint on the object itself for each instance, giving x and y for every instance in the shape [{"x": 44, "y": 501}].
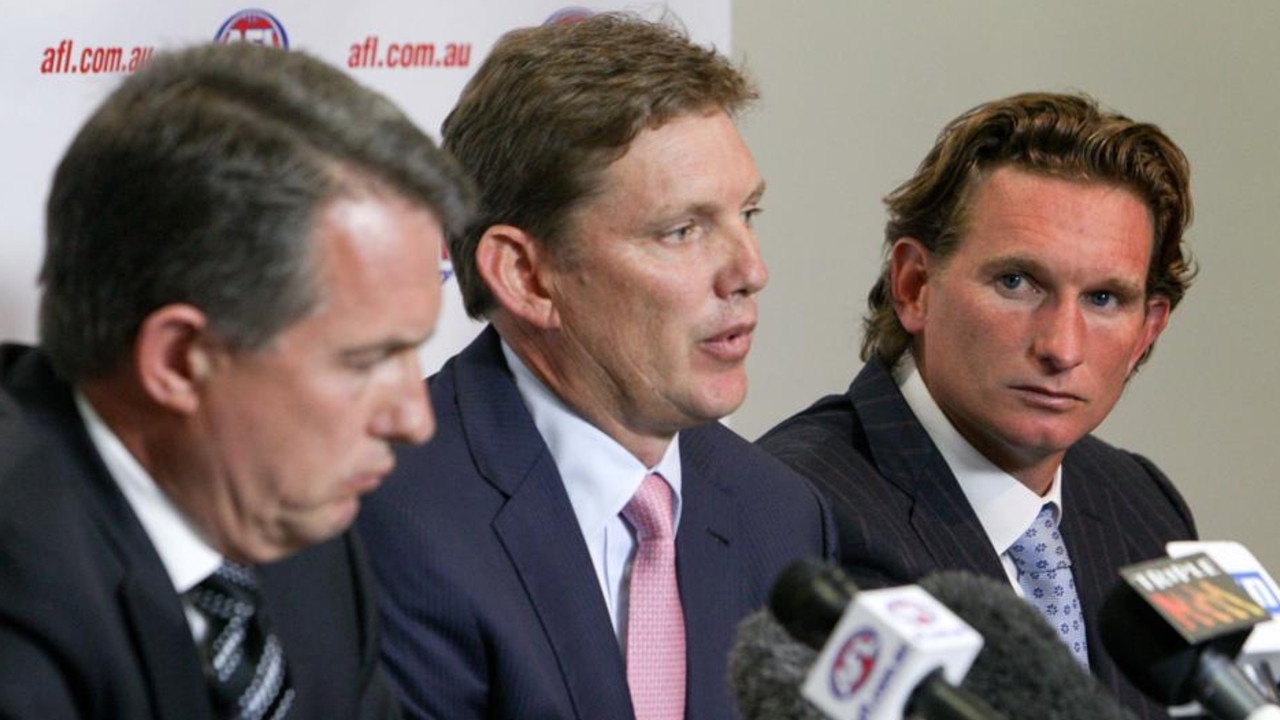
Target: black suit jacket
[
  {"x": 489, "y": 597},
  {"x": 90, "y": 624},
  {"x": 902, "y": 515}
]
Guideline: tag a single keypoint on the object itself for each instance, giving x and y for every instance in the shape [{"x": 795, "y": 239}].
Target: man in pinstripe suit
[{"x": 1031, "y": 263}]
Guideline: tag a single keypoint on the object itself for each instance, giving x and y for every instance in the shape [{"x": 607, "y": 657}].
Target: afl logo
[
  {"x": 253, "y": 26},
  {"x": 854, "y": 662},
  {"x": 568, "y": 15}
]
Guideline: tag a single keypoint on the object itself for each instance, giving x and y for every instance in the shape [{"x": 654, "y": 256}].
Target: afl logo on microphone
[
  {"x": 253, "y": 26},
  {"x": 568, "y": 15},
  {"x": 854, "y": 662}
]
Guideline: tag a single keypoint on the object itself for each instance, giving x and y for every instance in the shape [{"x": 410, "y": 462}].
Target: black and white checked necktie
[{"x": 243, "y": 659}]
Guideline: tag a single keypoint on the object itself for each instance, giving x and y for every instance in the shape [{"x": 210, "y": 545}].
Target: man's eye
[
  {"x": 681, "y": 234},
  {"x": 1102, "y": 298},
  {"x": 364, "y": 362},
  {"x": 1011, "y": 281}
]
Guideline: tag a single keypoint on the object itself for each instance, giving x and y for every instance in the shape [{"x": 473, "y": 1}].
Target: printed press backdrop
[{"x": 71, "y": 53}]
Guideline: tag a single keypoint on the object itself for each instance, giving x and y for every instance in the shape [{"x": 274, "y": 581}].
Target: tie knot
[
  {"x": 649, "y": 510},
  {"x": 232, "y": 590},
  {"x": 244, "y": 660},
  {"x": 1040, "y": 548}
]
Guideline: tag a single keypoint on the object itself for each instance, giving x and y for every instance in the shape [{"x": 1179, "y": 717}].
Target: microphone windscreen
[
  {"x": 767, "y": 668},
  {"x": 1024, "y": 669}
]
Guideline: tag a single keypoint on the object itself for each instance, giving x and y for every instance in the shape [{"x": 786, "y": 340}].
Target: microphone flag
[{"x": 1197, "y": 598}]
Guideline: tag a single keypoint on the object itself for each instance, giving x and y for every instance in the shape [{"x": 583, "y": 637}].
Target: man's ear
[
  {"x": 173, "y": 356},
  {"x": 516, "y": 267},
  {"x": 1154, "y": 321},
  {"x": 909, "y": 282}
]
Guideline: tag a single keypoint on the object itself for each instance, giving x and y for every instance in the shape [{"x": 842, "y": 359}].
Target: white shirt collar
[
  {"x": 599, "y": 475},
  {"x": 186, "y": 556},
  {"x": 1004, "y": 506}
]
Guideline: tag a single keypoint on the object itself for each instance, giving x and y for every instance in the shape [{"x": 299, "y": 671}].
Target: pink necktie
[{"x": 655, "y": 620}]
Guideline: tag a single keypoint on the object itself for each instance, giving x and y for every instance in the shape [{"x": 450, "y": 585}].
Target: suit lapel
[
  {"x": 711, "y": 580},
  {"x": 941, "y": 516},
  {"x": 1093, "y": 566},
  {"x": 540, "y": 533},
  {"x": 157, "y": 626},
  {"x": 165, "y": 648}
]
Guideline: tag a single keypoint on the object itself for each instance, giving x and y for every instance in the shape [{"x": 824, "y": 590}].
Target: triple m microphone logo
[
  {"x": 253, "y": 26},
  {"x": 1195, "y": 596}
]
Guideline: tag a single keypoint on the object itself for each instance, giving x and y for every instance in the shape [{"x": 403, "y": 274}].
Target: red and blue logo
[
  {"x": 446, "y": 265},
  {"x": 253, "y": 26},
  {"x": 568, "y": 15},
  {"x": 854, "y": 662}
]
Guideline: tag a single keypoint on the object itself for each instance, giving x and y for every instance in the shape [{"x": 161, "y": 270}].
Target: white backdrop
[{"x": 70, "y": 53}]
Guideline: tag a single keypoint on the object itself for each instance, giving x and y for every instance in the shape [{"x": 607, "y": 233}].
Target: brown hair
[
  {"x": 552, "y": 106},
  {"x": 1066, "y": 136}
]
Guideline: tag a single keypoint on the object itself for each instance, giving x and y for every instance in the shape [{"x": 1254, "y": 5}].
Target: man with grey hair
[
  {"x": 242, "y": 259},
  {"x": 585, "y": 539}
]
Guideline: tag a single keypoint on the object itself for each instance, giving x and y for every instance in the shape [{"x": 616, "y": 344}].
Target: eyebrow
[{"x": 704, "y": 209}]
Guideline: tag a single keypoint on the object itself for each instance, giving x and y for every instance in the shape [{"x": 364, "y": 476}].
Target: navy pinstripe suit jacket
[
  {"x": 901, "y": 513},
  {"x": 491, "y": 607}
]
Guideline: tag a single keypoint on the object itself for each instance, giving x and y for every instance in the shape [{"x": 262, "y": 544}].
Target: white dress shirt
[
  {"x": 600, "y": 476},
  {"x": 186, "y": 556},
  {"x": 1004, "y": 506}
]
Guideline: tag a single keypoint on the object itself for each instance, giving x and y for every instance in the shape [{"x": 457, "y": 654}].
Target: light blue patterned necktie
[{"x": 1044, "y": 572}]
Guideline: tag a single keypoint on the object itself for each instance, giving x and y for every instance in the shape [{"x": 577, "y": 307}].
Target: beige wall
[{"x": 855, "y": 92}]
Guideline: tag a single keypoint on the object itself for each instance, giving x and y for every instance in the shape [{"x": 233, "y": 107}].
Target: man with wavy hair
[{"x": 1031, "y": 263}]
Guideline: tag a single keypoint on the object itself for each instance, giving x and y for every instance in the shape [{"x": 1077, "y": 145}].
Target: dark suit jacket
[
  {"x": 902, "y": 515},
  {"x": 489, "y": 598},
  {"x": 90, "y": 625}
]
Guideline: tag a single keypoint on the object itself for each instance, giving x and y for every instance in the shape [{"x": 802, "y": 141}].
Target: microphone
[
  {"x": 1260, "y": 656},
  {"x": 1024, "y": 670},
  {"x": 890, "y": 654},
  {"x": 1193, "y": 620}
]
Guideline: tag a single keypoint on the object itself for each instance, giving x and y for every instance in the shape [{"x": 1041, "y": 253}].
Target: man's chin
[{"x": 318, "y": 527}]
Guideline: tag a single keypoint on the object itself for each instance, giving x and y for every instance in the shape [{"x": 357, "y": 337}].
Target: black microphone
[
  {"x": 891, "y": 662},
  {"x": 1024, "y": 669},
  {"x": 1174, "y": 625}
]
